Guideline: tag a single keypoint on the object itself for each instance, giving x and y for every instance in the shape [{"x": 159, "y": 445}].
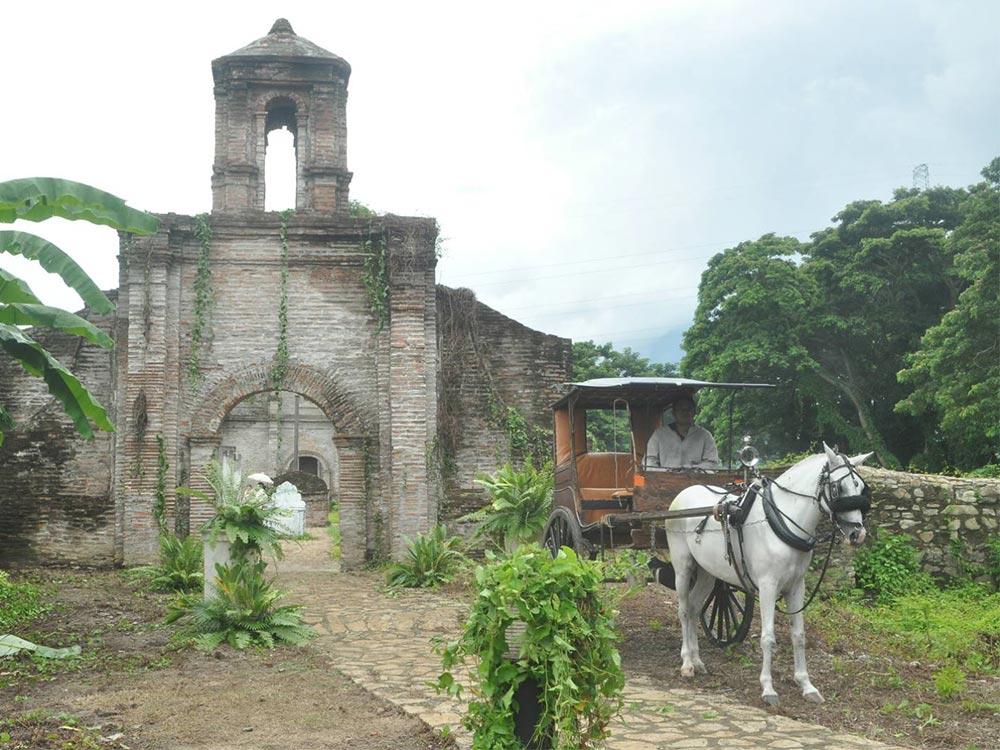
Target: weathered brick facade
[{"x": 375, "y": 375}]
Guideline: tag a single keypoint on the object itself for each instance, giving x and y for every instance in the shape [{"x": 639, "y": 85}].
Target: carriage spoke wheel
[
  {"x": 727, "y": 614},
  {"x": 563, "y": 530}
]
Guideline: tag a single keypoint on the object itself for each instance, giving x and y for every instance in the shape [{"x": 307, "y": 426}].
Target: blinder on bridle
[{"x": 838, "y": 503}]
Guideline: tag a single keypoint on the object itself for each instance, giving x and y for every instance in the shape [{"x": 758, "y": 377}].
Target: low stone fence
[{"x": 943, "y": 515}]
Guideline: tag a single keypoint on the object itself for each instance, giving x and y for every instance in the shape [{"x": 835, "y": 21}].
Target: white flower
[{"x": 260, "y": 478}]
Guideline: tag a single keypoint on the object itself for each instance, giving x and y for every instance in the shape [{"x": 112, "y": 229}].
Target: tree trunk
[{"x": 849, "y": 388}]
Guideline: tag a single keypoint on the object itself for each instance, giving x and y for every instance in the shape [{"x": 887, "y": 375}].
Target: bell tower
[{"x": 281, "y": 80}]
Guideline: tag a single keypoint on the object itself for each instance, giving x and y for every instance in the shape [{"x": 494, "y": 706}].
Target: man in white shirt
[{"x": 682, "y": 443}]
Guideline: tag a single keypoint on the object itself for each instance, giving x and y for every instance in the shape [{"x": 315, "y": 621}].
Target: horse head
[{"x": 845, "y": 494}]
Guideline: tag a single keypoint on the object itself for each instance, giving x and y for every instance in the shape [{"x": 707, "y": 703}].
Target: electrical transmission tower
[{"x": 921, "y": 177}]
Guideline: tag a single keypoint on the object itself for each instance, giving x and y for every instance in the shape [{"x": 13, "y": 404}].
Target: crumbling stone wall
[
  {"x": 938, "y": 512},
  {"x": 55, "y": 486},
  {"x": 489, "y": 362}
]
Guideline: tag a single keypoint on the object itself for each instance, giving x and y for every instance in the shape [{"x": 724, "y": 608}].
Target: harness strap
[{"x": 776, "y": 520}]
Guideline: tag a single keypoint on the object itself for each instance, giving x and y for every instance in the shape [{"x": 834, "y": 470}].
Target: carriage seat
[{"x": 595, "y": 473}]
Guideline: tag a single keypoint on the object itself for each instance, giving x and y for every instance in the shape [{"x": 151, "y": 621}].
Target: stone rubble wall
[{"x": 939, "y": 513}]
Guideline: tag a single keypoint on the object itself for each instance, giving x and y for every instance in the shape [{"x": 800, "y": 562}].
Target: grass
[
  {"x": 957, "y": 629},
  {"x": 20, "y": 604},
  {"x": 334, "y": 530}
]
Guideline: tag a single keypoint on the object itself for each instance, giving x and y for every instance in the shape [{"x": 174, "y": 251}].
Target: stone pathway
[{"x": 382, "y": 642}]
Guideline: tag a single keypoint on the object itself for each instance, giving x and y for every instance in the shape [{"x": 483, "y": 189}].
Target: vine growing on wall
[
  {"x": 160, "y": 496},
  {"x": 202, "y": 294},
  {"x": 280, "y": 367},
  {"x": 375, "y": 277}
]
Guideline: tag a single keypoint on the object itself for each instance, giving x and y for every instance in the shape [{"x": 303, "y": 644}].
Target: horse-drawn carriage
[
  {"x": 608, "y": 500},
  {"x": 732, "y": 536}
]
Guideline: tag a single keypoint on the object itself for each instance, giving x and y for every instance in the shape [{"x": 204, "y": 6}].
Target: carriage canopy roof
[{"x": 601, "y": 392}]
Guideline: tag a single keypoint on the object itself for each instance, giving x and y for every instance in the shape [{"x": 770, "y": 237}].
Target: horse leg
[
  {"x": 684, "y": 565},
  {"x": 794, "y": 599},
  {"x": 703, "y": 584},
  {"x": 767, "y": 595}
]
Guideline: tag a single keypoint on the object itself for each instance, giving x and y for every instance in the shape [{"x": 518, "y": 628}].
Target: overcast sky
[{"x": 584, "y": 159}]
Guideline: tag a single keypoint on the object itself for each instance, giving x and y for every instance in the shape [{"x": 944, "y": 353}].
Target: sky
[{"x": 584, "y": 159}]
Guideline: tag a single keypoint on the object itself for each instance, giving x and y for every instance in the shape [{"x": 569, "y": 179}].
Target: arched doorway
[{"x": 261, "y": 429}]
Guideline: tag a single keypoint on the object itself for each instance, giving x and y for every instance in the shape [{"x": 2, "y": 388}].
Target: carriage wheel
[
  {"x": 727, "y": 614},
  {"x": 563, "y": 530}
]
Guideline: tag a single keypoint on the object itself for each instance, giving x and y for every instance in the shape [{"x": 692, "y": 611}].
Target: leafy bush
[
  {"x": 519, "y": 507},
  {"x": 244, "y": 612},
  {"x": 431, "y": 559},
  {"x": 20, "y": 604},
  {"x": 890, "y": 567},
  {"x": 993, "y": 560},
  {"x": 989, "y": 471},
  {"x": 949, "y": 681},
  {"x": 568, "y": 645}
]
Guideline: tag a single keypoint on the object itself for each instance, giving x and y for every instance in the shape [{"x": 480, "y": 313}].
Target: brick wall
[
  {"x": 55, "y": 486},
  {"x": 486, "y": 356}
]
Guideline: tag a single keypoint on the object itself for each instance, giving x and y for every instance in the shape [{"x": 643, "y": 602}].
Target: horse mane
[{"x": 809, "y": 467}]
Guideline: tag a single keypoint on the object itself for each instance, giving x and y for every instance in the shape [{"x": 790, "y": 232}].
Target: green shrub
[
  {"x": 993, "y": 560},
  {"x": 244, "y": 612},
  {"x": 20, "y": 604},
  {"x": 568, "y": 645},
  {"x": 949, "y": 681},
  {"x": 431, "y": 559},
  {"x": 989, "y": 471},
  {"x": 890, "y": 567},
  {"x": 520, "y": 501}
]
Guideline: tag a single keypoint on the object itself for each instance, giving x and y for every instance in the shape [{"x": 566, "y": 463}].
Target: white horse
[{"x": 819, "y": 485}]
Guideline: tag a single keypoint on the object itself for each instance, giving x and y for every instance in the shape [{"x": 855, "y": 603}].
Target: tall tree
[
  {"x": 753, "y": 324},
  {"x": 955, "y": 373},
  {"x": 37, "y": 199}
]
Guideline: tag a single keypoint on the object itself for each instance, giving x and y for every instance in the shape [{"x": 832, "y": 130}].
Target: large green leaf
[
  {"x": 40, "y": 198},
  {"x": 54, "y": 260},
  {"x": 20, "y": 314},
  {"x": 78, "y": 402},
  {"x": 13, "y": 289}
]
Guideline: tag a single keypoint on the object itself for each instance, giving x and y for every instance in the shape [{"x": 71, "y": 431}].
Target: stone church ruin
[{"x": 314, "y": 342}]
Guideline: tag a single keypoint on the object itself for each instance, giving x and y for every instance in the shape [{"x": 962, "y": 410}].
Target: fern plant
[
  {"x": 180, "y": 566},
  {"x": 244, "y": 612},
  {"x": 431, "y": 559},
  {"x": 520, "y": 501},
  {"x": 244, "y": 514}
]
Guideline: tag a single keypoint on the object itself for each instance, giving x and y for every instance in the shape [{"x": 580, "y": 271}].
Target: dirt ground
[
  {"x": 131, "y": 689},
  {"x": 866, "y": 694}
]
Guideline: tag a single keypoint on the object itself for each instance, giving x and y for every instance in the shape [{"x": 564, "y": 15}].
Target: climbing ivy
[
  {"x": 280, "y": 367},
  {"x": 375, "y": 277},
  {"x": 160, "y": 497},
  {"x": 523, "y": 439},
  {"x": 202, "y": 294}
]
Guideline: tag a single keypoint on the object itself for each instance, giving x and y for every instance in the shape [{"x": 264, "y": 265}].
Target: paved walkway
[{"x": 382, "y": 642}]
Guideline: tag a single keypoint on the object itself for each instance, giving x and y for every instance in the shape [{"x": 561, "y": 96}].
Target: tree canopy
[{"x": 881, "y": 331}]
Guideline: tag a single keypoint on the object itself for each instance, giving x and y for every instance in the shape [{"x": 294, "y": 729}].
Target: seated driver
[{"x": 682, "y": 444}]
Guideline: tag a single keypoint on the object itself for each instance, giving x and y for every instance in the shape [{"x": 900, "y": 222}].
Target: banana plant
[{"x": 37, "y": 199}]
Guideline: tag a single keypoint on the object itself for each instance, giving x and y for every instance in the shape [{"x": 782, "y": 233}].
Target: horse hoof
[
  {"x": 813, "y": 696},
  {"x": 687, "y": 671},
  {"x": 771, "y": 700},
  {"x": 700, "y": 668}
]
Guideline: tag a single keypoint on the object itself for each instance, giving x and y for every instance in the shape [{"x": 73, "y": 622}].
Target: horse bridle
[{"x": 829, "y": 492}]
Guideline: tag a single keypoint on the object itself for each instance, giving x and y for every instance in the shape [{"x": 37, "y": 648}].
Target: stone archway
[{"x": 203, "y": 440}]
